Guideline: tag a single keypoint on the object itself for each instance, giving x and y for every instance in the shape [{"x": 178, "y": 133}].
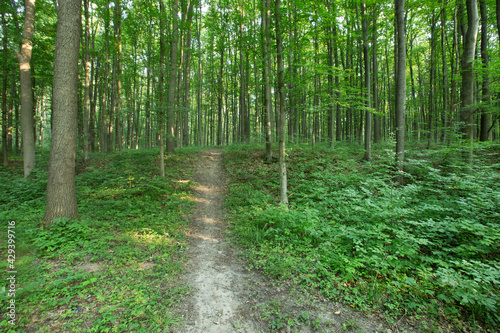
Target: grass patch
[
  {"x": 117, "y": 268},
  {"x": 428, "y": 249}
]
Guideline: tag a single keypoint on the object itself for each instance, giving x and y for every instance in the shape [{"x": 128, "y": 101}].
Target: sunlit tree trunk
[
  {"x": 61, "y": 188},
  {"x": 467, "y": 91},
  {"x": 24, "y": 58}
]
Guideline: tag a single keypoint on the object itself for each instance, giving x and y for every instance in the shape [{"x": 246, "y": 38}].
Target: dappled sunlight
[
  {"x": 150, "y": 237},
  {"x": 207, "y": 220},
  {"x": 203, "y": 237}
]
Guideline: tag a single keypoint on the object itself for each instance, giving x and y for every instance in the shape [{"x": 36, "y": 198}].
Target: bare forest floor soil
[{"x": 226, "y": 297}]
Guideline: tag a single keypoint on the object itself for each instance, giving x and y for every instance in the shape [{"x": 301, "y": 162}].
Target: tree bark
[
  {"x": 266, "y": 72},
  {"x": 4, "y": 94},
  {"x": 24, "y": 58},
  {"x": 118, "y": 82},
  {"x": 61, "y": 188},
  {"x": 172, "y": 80},
  {"x": 467, "y": 91},
  {"x": 368, "y": 113},
  {"x": 282, "y": 111},
  {"x": 485, "y": 113},
  {"x": 400, "y": 85},
  {"x": 86, "y": 108},
  {"x": 161, "y": 112}
]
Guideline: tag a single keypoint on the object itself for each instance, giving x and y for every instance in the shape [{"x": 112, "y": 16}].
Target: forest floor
[{"x": 227, "y": 297}]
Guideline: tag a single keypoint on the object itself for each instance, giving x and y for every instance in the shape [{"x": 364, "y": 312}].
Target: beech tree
[
  {"x": 61, "y": 188},
  {"x": 467, "y": 92}
]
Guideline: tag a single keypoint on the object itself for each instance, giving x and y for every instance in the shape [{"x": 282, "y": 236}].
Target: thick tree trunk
[
  {"x": 24, "y": 58},
  {"x": 467, "y": 91},
  {"x": 282, "y": 111},
  {"x": 400, "y": 85},
  {"x": 61, "y": 189}
]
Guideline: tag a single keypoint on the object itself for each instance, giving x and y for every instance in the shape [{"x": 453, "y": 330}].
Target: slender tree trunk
[
  {"x": 4, "y": 94},
  {"x": 172, "y": 79},
  {"x": 376, "y": 118},
  {"x": 187, "y": 75},
  {"x": 432, "y": 83},
  {"x": 93, "y": 79},
  {"x": 485, "y": 114},
  {"x": 467, "y": 91},
  {"x": 86, "y": 108},
  {"x": 118, "y": 88},
  {"x": 400, "y": 86},
  {"x": 161, "y": 113},
  {"x": 61, "y": 188},
  {"x": 368, "y": 113},
  {"x": 444, "y": 61},
  {"x": 282, "y": 111},
  {"x": 266, "y": 72},
  {"x": 24, "y": 58}
]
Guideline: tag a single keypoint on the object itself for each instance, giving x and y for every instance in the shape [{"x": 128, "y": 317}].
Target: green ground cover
[
  {"x": 428, "y": 249},
  {"x": 116, "y": 268}
]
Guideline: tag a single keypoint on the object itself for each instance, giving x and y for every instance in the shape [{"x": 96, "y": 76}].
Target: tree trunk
[
  {"x": 266, "y": 72},
  {"x": 186, "y": 76},
  {"x": 61, "y": 188},
  {"x": 282, "y": 111},
  {"x": 400, "y": 86},
  {"x": 485, "y": 113},
  {"x": 86, "y": 108},
  {"x": 368, "y": 113},
  {"x": 161, "y": 112},
  {"x": 467, "y": 91},
  {"x": 118, "y": 82},
  {"x": 4, "y": 94},
  {"x": 376, "y": 119},
  {"x": 172, "y": 80},
  {"x": 24, "y": 58},
  {"x": 445, "y": 73}
]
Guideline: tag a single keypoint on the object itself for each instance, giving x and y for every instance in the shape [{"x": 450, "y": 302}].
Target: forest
[{"x": 359, "y": 145}]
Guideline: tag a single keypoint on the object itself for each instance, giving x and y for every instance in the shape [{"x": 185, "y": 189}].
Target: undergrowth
[
  {"x": 428, "y": 249},
  {"x": 116, "y": 268}
]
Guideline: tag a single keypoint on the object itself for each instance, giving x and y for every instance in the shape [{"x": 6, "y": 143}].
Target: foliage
[
  {"x": 116, "y": 269},
  {"x": 429, "y": 247}
]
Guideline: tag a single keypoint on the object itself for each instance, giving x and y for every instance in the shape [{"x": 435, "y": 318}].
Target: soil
[{"x": 227, "y": 297}]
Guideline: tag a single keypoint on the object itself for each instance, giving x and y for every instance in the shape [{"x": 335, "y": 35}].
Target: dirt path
[
  {"x": 216, "y": 278},
  {"x": 227, "y": 298}
]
